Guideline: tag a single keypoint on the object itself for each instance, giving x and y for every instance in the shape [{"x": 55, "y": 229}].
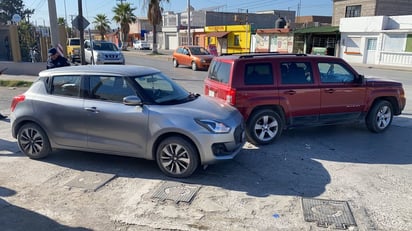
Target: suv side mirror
[{"x": 360, "y": 79}]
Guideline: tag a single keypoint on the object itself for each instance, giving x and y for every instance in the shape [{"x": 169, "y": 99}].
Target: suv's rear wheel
[
  {"x": 177, "y": 157},
  {"x": 33, "y": 141},
  {"x": 380, "y": 116},
  {"x": 264, "y": 127},
  {"x": 194, "y": 66}
]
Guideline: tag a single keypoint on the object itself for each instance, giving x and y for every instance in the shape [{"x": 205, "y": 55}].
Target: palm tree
[
  {"x": 154, "y": 14},
  {"x": 101, "y": 24},
  {"x": 124, "y": 16}
]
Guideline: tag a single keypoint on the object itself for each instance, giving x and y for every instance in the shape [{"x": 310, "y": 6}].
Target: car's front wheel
[
  {"x": 194, "y": 66},
  {"x": 33, "y": 141},
  {"x": 177, "y": 157},
  {"x": 175, "y": 63},
  {"x": 379, "y": 117},
  {"x": 264, "y": 127}
]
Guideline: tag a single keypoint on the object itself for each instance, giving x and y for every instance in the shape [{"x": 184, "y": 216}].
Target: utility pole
[
  {"x": 54, "y": 31},
  {"x": 188, "y": 23},
  {"x": 81, "y": 31}
]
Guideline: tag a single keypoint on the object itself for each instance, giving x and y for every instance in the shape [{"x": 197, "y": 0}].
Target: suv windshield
[
  {"x": 105, "y": 47},
  {"x": 162, "y": 90}
]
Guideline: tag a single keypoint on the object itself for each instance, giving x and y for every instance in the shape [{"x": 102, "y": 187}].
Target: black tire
[
  {"x": 176, "y": 157},
  {"x": 194, "y": 66},
  {"x": 175, "y": 63},
  {"x": 33, "y": 141},
  {"x": 264, "y": 127},
  {"x": 380, "y": 116}
]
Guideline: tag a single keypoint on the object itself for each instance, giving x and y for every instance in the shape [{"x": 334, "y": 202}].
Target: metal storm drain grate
[
  {"x": 176, "y": 191},
  {"x": 328, "y": 212},
  {"x": 90, "y": 180}
]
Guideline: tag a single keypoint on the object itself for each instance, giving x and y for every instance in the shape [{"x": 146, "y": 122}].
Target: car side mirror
[{"x": 132, "y": 100}]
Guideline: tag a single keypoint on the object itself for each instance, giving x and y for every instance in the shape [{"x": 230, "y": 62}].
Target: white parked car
[
  {"x": 103, "y": 52},
  {"x": 141, "y": 45}
]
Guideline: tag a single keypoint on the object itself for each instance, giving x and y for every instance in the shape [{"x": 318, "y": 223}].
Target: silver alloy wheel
[
  {"x": 383, "y": 117},
  {"x": 31, "y": 141},
  {"x": 194, "y": 67},
  {"x": 266, "y": 128},
  {"x": 175, "y": 158}
]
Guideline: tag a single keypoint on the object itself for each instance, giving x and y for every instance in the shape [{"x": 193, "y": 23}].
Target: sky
[{"x": 69, "y": 9}]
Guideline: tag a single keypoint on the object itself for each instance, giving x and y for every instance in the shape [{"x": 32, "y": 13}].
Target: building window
[
  {"x": 353, "y": 11},
  {"x": 236, "y": 41}
]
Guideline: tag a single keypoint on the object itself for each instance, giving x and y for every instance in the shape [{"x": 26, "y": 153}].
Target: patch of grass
[{"x": 15, "y": 83}]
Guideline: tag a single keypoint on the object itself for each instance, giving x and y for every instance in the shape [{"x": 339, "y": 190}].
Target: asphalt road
[{"x": 262, "y": 189}]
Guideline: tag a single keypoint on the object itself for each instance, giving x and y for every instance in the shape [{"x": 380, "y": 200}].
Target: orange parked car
[{"x": 195, "y": 56}]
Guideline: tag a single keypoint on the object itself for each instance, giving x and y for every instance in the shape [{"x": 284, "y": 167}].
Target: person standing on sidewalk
[{"x": 56, "y": 60}]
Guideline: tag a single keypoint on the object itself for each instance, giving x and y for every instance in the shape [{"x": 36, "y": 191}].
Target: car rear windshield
[
  {"x": 219, "y": 71},
  {"x": 75, "y": 42}
]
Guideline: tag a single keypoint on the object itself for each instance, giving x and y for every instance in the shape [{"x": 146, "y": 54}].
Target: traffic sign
[{"x": 76, "y": 22}]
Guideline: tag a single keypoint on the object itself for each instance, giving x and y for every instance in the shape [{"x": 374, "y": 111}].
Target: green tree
[
  {"x": 10, "y": 7},
  {"x": 124, "y": 16},
  {"x": 101, "y": 24},
  {"x": 154, "y": 15}
]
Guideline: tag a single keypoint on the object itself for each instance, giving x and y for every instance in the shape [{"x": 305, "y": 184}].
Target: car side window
[
  {"x": 66, "y": 86},
  {"x": 334, "y": 73},
  {"x": 258, "y": 74},
  {"x": 296, "y": 73},
  {"x": 109, "y": 88}
]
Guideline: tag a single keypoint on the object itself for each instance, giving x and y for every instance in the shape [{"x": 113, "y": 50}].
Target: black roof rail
[{"x": 256, "y": 54}]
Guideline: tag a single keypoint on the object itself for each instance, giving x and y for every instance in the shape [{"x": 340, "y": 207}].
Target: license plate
[{"x": 212, "y": 93}]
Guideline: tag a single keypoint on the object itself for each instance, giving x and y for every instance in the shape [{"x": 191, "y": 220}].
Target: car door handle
[
  {"x": 290, "y": 92},
  {"x": 329, "y": 90},
  {"x": 92, "y": 109}
]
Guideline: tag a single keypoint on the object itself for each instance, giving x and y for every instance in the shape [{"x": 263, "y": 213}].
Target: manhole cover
[
  {"x": 328, "y": 212},
  {"x": 176, "y": 192},
  {"x": 90, "y": 180}
]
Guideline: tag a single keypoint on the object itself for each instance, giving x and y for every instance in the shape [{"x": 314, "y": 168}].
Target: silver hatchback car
[{"x": 125, "y": 110}]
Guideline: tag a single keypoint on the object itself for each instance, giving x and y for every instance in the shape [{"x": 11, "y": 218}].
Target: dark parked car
[
  {"x": 125, "y": 110},
  {"x": 278, "y": 91}
]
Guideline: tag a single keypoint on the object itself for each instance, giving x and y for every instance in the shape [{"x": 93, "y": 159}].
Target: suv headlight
[{"x": 213, "y": 126}]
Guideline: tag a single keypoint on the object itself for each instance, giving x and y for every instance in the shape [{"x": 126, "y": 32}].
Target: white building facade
[{"x": 379, "y": 40}]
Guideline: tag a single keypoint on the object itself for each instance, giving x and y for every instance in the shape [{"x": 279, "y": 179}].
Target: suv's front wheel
[
  {"x": 379, "y": 117},
  {"x": 264, "y": 127}
]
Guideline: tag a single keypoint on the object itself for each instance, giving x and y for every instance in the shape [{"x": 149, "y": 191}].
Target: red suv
[{"x": 278, "y": 91}]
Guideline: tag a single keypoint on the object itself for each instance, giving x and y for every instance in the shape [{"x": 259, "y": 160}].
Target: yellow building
[{"x": 229, "y": 39}]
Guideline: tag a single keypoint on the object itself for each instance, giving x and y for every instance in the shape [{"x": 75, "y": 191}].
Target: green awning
[{"x": 318, "y": 30}]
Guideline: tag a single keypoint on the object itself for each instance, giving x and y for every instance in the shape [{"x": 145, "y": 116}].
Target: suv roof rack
[{"x": 255, "y": 54}]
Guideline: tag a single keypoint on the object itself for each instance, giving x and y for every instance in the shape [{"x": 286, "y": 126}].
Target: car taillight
[
  {"x": 231, "y": 96},
  {"x": 16, "y": 100}
]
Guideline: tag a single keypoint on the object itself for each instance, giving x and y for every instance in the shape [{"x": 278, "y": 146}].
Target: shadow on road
[{"x": 18, "y": 218}]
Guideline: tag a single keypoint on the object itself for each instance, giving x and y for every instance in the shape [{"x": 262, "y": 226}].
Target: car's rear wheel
[
  {"x": 194, "y": 66},
  {"x": 177, "y": 157},
  {"x": 264, "y": 127},
  {"x": 175, "y": 63},
  {"x": 33, "y": 141},
  {"x": 379, "y": 117}
]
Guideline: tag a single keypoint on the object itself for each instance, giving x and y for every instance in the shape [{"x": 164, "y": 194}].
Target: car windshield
[
  {"x": 75, "y": 42},
  {"x": 162, "y": 90},
  {"x": 105, "y": 47},
  {"x": 199, "y": 51}
]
